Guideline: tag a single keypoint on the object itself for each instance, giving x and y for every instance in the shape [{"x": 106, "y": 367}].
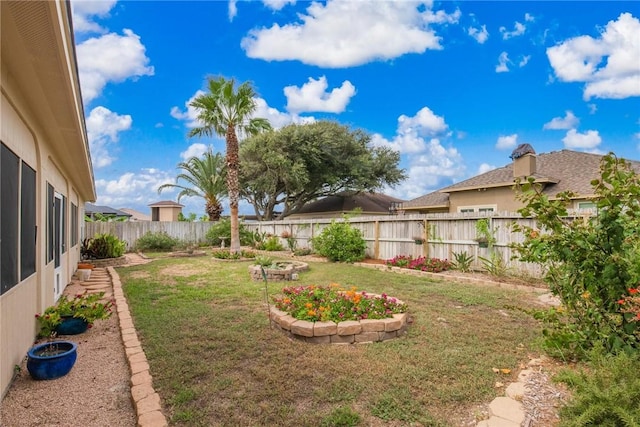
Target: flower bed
[
  {"x": 331, "y": 315},
  {"x": 432, "y": 265}
]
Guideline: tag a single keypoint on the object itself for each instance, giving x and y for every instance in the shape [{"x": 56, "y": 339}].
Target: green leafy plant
[
  {"x": 221, "y": 232},
  {"x": 484, "y": 234},
  {"x": 607, "y": 395},
  {"x": 302, "y": 252},
  {"x": 462, "y": 261},
  {"x": 292, "y": 242},
  {"x": 263, "y": 261},
  {"x": 332, "y": 303},
  {"x": 88, "y": 307},
  {"x": 591, "y": 263},
  {"x": 339, "y": 241},
  {"x": 103, "y": 246},
  {"x": 160, "y": 241},
  {"x": 226, "y": 254},
  {"x": 273, "y": 244},
  {"x": 494, "y": 264}
]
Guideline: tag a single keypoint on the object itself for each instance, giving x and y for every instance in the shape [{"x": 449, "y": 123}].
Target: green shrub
[
  {"x": 302, "y": 252},
  {"x": 225, "y": 254},
  {"x": 221, "y": 231},
  {"x": 160, "y": 241},
  {"x": 263, "y": 261},
  {"x": 272, "y": 244},
  {"x": 608, "y": 395},
  {"x": 341, "y": 242},
  {"x": 462, "y": 261},
  {"x": 103, "y": 246},
  {"x": 591, "y": 263}
]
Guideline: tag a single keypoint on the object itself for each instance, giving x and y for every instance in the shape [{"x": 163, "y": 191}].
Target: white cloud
[
  {"x": 85, "y": 10},
  {"x": 190, "y": 115},
  {"x": 592, "y": 108},
  {"x": 503, "y": 60},
  {"x": 529, "y": 18},
  {"x": 277, "y": 4},
  {"x": 524, "y": 60},
  {"x": 437, "y": 166},
  {"x": 569, "y": 121},
  {"x": 518, "y": 30},
  {"x": 194, "y": 150},
  {"x": 103, "y": 127},
  {"x": 506, "y": 142},
  {"x": 481, "y": 35},
  {"x": 609, "y": 65},
  {"x": 110, "y": 58},
  {"x": 588, "y": 140},
  {"x": 343, "y": 33},
  {"x": 233, "y": 9},
  {"x": 411, "y": 132},
  {"x": 484, "y": 168},
  {"x": 134, "y": 189},
  {"x": 313, "y": 96}
]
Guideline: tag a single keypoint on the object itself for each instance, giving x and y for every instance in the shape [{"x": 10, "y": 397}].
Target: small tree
[{"x": 592, "y": 264}]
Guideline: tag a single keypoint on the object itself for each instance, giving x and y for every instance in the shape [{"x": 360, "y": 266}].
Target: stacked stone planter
[
  {"x": 109, "y": 262},
  {"x": 276, "y": 274},
  {"x": 349, "y": 332}
]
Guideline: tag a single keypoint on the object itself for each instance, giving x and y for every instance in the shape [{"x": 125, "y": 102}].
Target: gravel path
[{"x": 96, "y": 393}]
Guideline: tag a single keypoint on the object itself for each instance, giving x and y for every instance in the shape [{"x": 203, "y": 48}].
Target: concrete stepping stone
[
  {"x": 508, "y": 409},
  {"x": 516, "y": 390},
  {"x": 497, "y": 422}
]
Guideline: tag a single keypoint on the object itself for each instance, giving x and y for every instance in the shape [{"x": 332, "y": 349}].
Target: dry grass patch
[{"x": 215, "y": 360}]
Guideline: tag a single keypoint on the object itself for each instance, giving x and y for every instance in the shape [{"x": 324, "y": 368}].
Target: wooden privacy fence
[{"x": 430, "y": 235}]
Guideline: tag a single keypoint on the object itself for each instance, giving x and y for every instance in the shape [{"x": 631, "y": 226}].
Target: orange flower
[
  {"x": 308, "y": 305},
  {"x": 311, "y": 312},
  {"x": 633, "y": 291},
  {"x": 287, "y": 300}
]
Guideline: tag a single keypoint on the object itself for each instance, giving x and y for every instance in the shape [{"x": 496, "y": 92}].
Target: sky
[{"x": 453, "y": 86}]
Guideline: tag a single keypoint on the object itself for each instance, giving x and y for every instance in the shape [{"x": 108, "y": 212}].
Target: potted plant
[
  {"x": 73, "y": 316},
  {"x": 51, "y": 360},
  {"x": 418, "y": 240},
  {"x": 484, "y": 235}
]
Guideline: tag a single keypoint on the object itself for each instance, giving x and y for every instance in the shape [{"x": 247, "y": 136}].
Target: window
[
  {"x": 64, "y": 224},
  {"x": 587, "y": 205},
  {"x": 28, "y": 229},
  {"x": 9, "y": 205},
  {"x": 479, "y": 208},
  {"x": 50, "y": 222},
  {"x": 74, "y": 225}
]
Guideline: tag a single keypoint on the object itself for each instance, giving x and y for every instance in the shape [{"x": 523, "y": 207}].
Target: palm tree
[
  {"x": 227, "y": 112},
  {"x": 204, "y": 178}
]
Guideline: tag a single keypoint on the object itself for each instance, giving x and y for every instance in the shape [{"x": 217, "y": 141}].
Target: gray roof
[
  {"x": 346, "y": 202},
  {"x": 91, "y": 209},
  {"x": 165, "y": 203},
  {"x": 565, "y": 170}
]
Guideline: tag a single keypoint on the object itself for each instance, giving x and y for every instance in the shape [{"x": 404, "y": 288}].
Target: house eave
[{"x": 496, "y": 185}]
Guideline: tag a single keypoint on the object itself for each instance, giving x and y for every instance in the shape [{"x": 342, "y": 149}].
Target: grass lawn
[{"x": 215, "y": 360}]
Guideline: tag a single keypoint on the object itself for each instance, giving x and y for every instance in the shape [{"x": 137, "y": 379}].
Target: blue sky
[{"x": 453, "y": 86}]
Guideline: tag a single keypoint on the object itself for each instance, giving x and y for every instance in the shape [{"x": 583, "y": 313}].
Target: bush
[
  {"x": 592, "y": 264},
  {"x": 341, "y": 242},
  {"x": 225, "y": 254},
  {"x": 302, "y": 252},
  {"x": 156, "y": 242},
  {"x": 103, "y": 246},
  {"x": 272, "y": 244},
  {"x": 221, "y": 231},
  {"x": 608, "y": 395}
]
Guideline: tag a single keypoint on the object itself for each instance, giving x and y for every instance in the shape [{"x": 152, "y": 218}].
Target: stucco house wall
[{"x": 42, "y": 130}]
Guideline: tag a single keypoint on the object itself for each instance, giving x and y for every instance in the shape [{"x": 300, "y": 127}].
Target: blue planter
[
  {"x": 51, "y": 360},
  {"x": 72, "y": 326}
]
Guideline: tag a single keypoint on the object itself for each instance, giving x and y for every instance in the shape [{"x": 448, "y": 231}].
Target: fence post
[
  {"x": 425, "y": 242},
  {"x": 376, "y": 239}
]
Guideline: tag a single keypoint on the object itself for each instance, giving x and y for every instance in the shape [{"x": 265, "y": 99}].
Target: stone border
[
  {"x": 348, "y": 332},
  {"x": 107, "y": 262},
  {"x": 145, "y": 399},
  {"x": 278, "y": 275}
]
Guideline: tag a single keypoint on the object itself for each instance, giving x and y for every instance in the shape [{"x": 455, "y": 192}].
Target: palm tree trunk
[{"x": 233, "y": 186}]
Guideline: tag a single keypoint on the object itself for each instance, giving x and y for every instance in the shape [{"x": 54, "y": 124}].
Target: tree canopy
[
  {"x": 228, "y": 111},
  {"x": 202, "y": 177},
  {"x": 286, "y": 168}
]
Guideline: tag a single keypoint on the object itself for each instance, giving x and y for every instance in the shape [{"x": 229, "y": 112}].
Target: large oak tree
[{"x": 284, "y": 169}]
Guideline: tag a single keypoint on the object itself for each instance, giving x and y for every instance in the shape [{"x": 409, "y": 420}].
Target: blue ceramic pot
[
  {"x": 51, "y": 360},
  {"x": 72, "y": 326}
]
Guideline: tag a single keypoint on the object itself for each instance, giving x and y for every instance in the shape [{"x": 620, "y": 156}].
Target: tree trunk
[{"x": 233, "y": 186}]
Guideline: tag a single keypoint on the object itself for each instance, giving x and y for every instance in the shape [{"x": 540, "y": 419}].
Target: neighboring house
[
  {"x": 165, "y": 210},
  {"x": 136, "y": 215},
  {"x": 91, "y": 210},
  {"x": 45, "y": 169},
  {"x": 493, "y": 191},
  {"x": 342, "y": 203}
]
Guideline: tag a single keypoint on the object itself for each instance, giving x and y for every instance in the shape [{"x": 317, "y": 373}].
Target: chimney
[{"x": 524, "y": 161}]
